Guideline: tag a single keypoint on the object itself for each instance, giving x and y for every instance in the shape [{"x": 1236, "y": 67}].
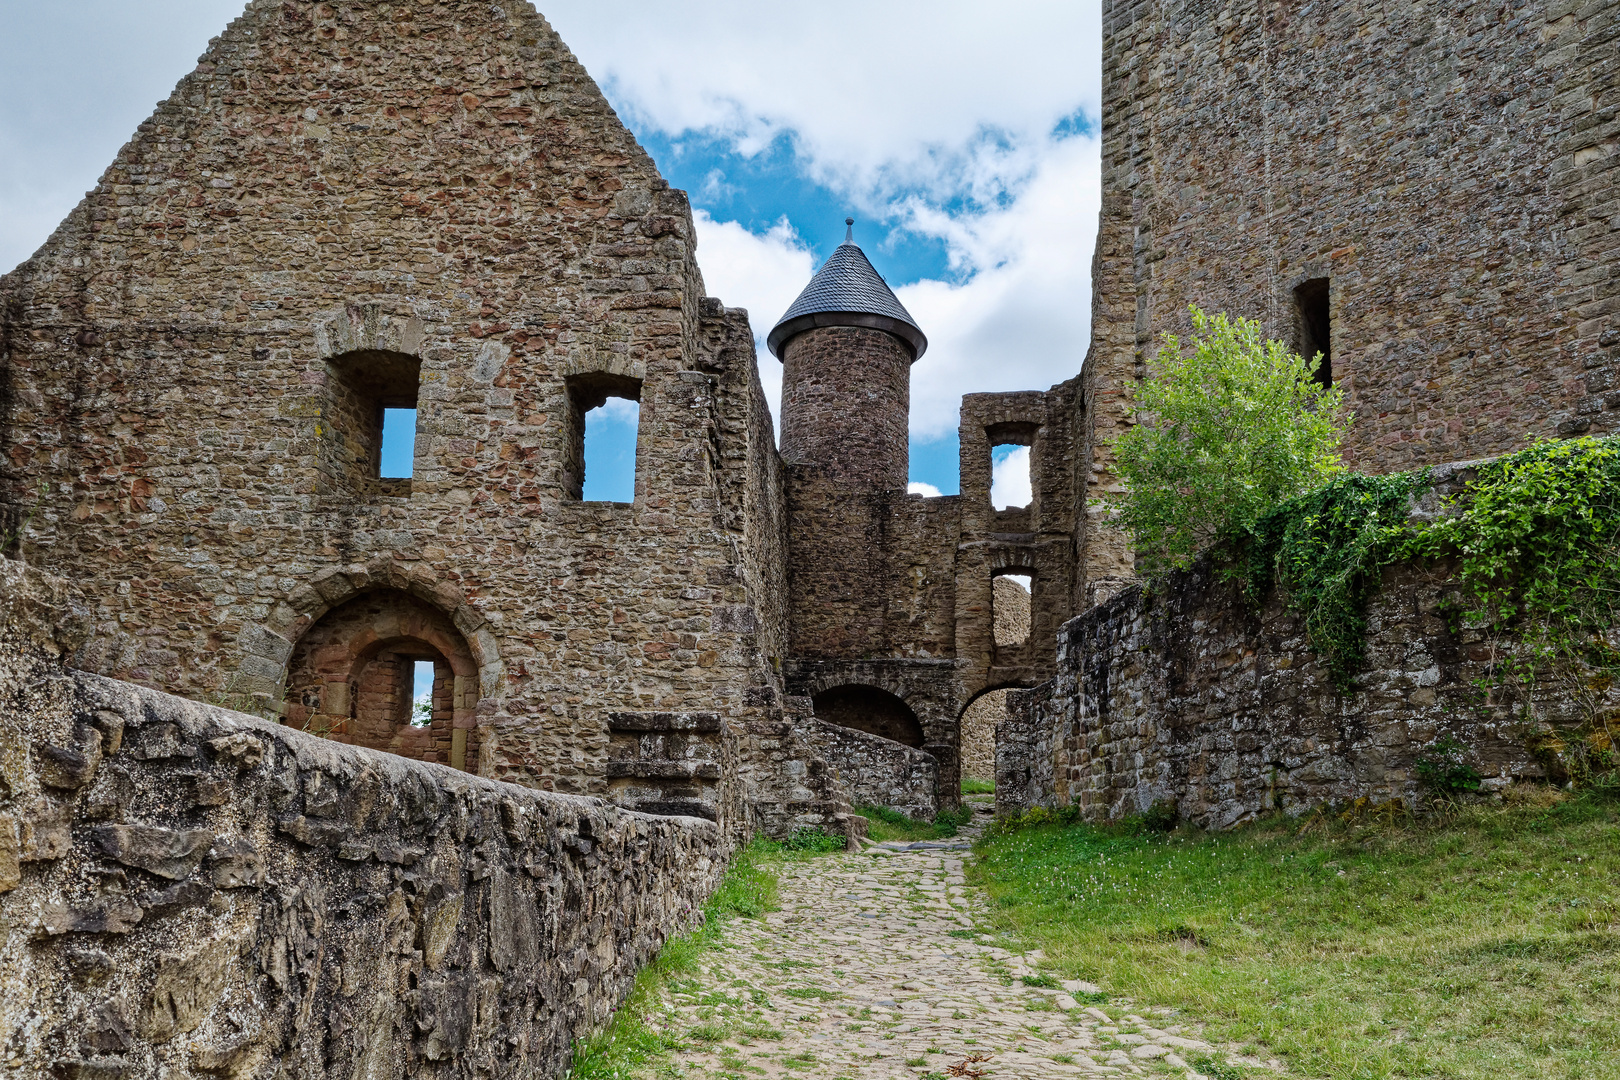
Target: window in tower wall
[
  {"x": 1314, "y": 326},
  {"x": 1009, "y": 477}
]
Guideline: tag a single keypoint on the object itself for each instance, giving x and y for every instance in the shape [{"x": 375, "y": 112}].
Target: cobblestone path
[{"x": 872, "y": 969}]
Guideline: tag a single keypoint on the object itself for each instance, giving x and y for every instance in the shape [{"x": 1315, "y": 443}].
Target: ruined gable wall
[
  {"x": 1451, "y": 167},
  {"x": 436, "y": 180},
  {"x": 192, "y": 892}
]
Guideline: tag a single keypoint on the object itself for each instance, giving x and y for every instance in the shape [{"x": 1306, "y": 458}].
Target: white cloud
[
  {"x": 1021, "y": 317},
  {"x": 917, "y": 487},
  {"x": 618, "y": 410},
  {"x": 1009, "y": 479},
  {"x": 875, "y": 95}
]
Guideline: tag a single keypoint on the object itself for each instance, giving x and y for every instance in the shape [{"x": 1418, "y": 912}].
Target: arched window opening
[
  {"x": 869, "y": 709},
  {"x": 1314, "y": 327},
  {"x": 387, "y": 672},
  {"x": 1010, "y": 600},
  {"x": 604, "y": 419},
  {"x": 368, "y": 424}
]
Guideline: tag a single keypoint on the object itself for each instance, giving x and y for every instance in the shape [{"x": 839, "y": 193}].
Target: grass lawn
[
  {"x": 885, "y": 824},
  {"x": 970, "y": 786},
  {"x": 1483, "y": 944}
]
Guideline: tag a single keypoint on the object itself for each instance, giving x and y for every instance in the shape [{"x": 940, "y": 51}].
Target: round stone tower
[{"x": 847, "y": 346}]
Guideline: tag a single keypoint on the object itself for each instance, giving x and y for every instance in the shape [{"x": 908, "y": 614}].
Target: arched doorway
[
  {"x": 978, "y": 726},
  {"x": 869, "y": 709},
  {"x": 352, "y": 678}
]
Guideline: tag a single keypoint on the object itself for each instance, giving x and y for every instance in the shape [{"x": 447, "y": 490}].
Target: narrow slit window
[
  {"x": 398, "y": 443},
  {"x": 1315, "y": 326},
  {"x": 422, "y": 693},
  {"x": 1009, "y": 477}
]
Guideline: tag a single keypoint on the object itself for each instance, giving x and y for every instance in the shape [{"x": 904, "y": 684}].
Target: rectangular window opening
[
  {"x": 1010, "y": 603},
  {"x": 604, "y": 420},
  {"x": 1315, "y": 328},
  {"x": 398, "y": 444},
  {"x": 610, "y": 451},
  {"x": 422, "y": 693},
  {"x": 1009, "y": 477}
]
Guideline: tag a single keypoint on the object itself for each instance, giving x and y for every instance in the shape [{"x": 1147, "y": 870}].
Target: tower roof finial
[{"x": 849, "y": 230}]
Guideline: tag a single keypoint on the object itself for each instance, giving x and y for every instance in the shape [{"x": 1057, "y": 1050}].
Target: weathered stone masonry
[
  {"x": 191, "y": 892},
  {"x": 1448, "y": 169},
  {"x": 353, "y": 205},
  {"x": 1189, "y": 695}
]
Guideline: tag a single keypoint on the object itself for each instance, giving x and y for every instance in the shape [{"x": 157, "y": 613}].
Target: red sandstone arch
[{"x": 349, "y": 678}]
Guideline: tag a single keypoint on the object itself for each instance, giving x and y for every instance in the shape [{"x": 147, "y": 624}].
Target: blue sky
[{"x": 961, "y": 138}]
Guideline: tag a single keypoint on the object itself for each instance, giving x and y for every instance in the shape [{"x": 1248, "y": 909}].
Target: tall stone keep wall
[
  {"x": 189, "y": 892},
  {"x": 1450, "y": 168},
  {"x": 1189, "y": 694}
]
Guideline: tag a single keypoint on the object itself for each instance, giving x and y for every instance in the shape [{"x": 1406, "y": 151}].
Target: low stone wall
[
  {"x": 192, "y": 892},
  {"x": 1190, "y": 695},
  {"x": 875, "y": 771}
]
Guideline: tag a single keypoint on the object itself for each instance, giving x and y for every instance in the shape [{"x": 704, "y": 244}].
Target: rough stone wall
[
  {"x": 1188, "y": 694},
  {"x": 871, "y": 573},
  {"x": 879, "y": 772},
  {"x": 1451, "y": 168},
  {"x": 846, "y": 399},
  {"x": 805, "y": 790},
  {"x": 1010, "y": 601},
  {"x": 926, "y": 686},
  {"x": 436, "y": 187},
  {"x": 190, "y": 892}
]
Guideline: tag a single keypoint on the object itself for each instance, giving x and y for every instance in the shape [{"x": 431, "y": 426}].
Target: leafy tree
[{"x": 1226, "y": 430}]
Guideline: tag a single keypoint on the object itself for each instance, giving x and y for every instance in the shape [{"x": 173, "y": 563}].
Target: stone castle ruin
[{"x": 227, "y": 847}]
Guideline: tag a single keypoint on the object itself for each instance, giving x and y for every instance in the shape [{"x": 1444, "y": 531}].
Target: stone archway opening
[
  {"x": 872, "y": 710},
  {"x": 978, "y": 727},
  {"x": 352, "y": 678}
]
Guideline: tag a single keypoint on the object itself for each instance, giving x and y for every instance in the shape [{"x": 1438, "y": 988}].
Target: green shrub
[
  {"x": 814, "y": 840},
  {"x": 1443, "y": 767},
  {"x": 1225, "y": 431}
]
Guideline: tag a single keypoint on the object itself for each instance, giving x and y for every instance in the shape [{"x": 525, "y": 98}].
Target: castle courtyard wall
[{"x": 1191, "y": 694}]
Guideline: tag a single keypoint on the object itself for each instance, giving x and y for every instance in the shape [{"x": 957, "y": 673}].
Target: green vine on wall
[
  {"x": 1536, "y": 542},
  {"x": 1326, "y": 548}
]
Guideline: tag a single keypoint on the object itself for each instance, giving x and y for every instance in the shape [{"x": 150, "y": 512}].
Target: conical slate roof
[{"x": 846, "y": 291}]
